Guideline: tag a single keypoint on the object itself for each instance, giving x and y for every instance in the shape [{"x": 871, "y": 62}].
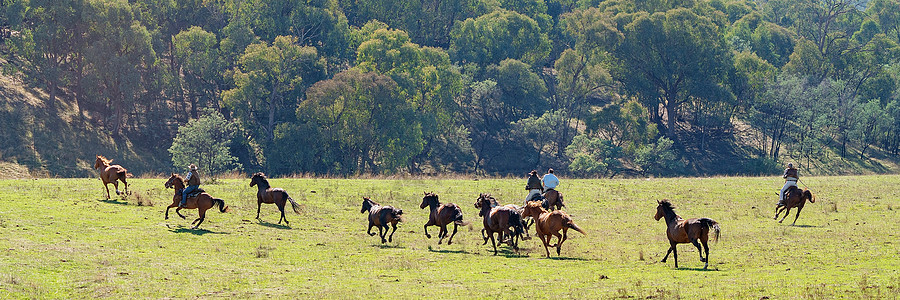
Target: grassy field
[{"x": 61, "y": 239}]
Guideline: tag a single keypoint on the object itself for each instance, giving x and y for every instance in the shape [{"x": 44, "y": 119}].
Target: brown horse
[
  {"x": 111, "y": 173},
  {"x": 550, "y": 223},
  {"x": 441, "y": 216},
  {"x": 681, "y": 231},
  {"x": 498, "y": 220},
  {"x": 794, "y": 197},
  {"x": 201, "y": 201},
  {"x": 271, "y": 195},
  {"x": 380, "y": 216},
  {"x": 553, "y": 200}
]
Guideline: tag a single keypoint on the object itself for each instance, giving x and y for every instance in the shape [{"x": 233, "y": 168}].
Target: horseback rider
[
  {"x": 549, "y": 181},
  {"x": 791, "y": 176},
  {"x": 534, "y": 187},
  {"x": 192, "y": 181}
]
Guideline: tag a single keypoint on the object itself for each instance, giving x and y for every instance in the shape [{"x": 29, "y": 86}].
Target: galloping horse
[
  {"x": 111, "y": 173},
  {"x": 498, "y": 220},
  {"x": 201, "y": 201},
  {"x": 271, "y": 195},
  {"x": 794, "y": 197},
  {"x": 553, "y": 200},
  {"x": 549, "y": 223},
  {"x": 380, "y": 216},
  {"x": 681, "y": 231},
  {"x": 441, "y": 216}
]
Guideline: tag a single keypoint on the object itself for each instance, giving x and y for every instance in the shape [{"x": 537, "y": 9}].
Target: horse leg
[
  {"x": 546, "y": 241},
  {"x": 450, "y": 241},
  {"x": 178, "y": 211},
  {"x": 696, "y": 243},
  {"x": 381, "y": 234},
  {"x": 706, "y": 248},
  {"x": 565, "y": 236},
  {"x": 484, "y": 236},
  {"x": 777, "y": 211},
  {"x": 426, "y": 230},
  {"x": 391, "y": 237},
  {"x": 167, "y": 210},
  {"x": 675, "y": 254},
  {"x": 799, "y": 208},
  {"x": 202, "y": 217},
  {"x": 258, "y": 206},
  {"x": 281, "y": 208},
  {"x": 493, "y": 242},
  {"x": 106, "y": 186},
  {"x": 788, "y": 212},
  {"x": 116, "y": 184},
  {"x": 369, "y": 231},
  {"x": 442, "y": 233}
]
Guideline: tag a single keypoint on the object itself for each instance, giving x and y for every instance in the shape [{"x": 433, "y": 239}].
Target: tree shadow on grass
[
  {"x": 271, "y": 225},
  {"x": 198, "y": 231}
]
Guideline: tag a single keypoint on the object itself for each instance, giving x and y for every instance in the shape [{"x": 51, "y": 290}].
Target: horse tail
[
  {"x": 710, "y": 223},
  {"x": 294, "y": 204},
  {"x": 515, "y": 221},
  {"x": 458, "y": 217},
  {"x": 573, "y": 226},
  {"x": 809, "y": 195},
  {"x": 559, "y": 200},
  {"x": 128, "y": 175},
  {"x": 397, "y": 213},
  {"x": 220, "y": 203}
]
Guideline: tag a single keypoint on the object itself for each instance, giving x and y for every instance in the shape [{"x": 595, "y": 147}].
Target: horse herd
[{"x": 509, "y": 222}]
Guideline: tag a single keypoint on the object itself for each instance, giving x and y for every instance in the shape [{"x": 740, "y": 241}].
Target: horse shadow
[
  {"x": 111, "y": 201},
  {"x": 388, "y": 246},
  {"x": 447, "y": 251},
  {"x": 195, "y": 231},
  {"x": 806, "y": 226},
  {"x": 272, "y": 225},
  {"x": 563, "y": 258},
  {"x": 698, "y": 269}
]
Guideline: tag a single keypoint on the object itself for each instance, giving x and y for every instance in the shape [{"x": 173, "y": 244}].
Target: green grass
[{"x": 61, "y": 239}]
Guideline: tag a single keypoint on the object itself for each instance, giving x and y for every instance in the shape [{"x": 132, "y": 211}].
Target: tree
[
  {"x": 205, "y": 142},
  {"x": 270, "y": 81},
  {"x": 670, "y": 58},
  {"x": 500, "y": 35},
  {"x": 365, "y": 126},
  {"x": 201, "y": 66}
]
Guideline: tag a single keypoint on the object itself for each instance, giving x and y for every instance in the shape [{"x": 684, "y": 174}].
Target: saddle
[{"x": 195, "y": 193}]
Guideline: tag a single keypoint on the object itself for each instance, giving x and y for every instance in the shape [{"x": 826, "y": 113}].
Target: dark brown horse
[
  {"x": 550, "y": 223},
  {"x": 553, "y": 200},
  {"x": 681, "y": 231},
  {"x": 794, "y": 197},
  {"x": 441, "y": 216},
  {"x": 499, "y": 219},
  {"x": 201, "y": 201},
  {"x": 110, "y": 174},
  {"x": 266, "y": 194},
  {"x": 380, "y": 216}
]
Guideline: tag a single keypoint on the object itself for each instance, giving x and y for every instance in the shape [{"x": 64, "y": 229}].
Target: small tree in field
[{"x": 205, "y": 142}]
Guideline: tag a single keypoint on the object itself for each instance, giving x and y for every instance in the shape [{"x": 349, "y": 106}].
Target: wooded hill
[{"x": 339, "y": 87}]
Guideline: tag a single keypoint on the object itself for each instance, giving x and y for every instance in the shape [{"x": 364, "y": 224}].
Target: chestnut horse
[
  {"x": 442, "y": 215},
  {"x": 271, "y": 195},
  {"x": 380, "y": 216},
  {"x": 201, "y": 201},
  {"x": 550, "y": 223},
  {"x": 794, "y": 197},
  {"x": 498, "y": 220},
  {"x": 681, "y": 231},
  {"x": 553, "y": 200},
  {"x": 111, "y": 173}
]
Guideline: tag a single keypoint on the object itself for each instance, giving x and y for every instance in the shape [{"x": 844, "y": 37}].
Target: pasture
[{"x": 61, "y": 239}]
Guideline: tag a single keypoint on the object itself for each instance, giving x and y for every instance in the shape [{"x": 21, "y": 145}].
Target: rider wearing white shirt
[{"x": 550, "y": 181}]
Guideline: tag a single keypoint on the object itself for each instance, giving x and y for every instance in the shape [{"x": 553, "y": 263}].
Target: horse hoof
[
  {"x": 702, "y": 259},
  {"x": 662, "y": 261},
  {"x": 428, "y": 236}
]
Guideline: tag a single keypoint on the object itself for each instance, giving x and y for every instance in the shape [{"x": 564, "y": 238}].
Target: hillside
[{"x": 58, "y": 143}]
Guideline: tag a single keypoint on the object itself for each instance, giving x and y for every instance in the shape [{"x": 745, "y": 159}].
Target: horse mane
[
  {"x": 104, "y": 159},
  {"x": 668, "y": 208},
  {"x": 490, "y": 198},
  {"x": 262, "y": 176},
  {"x": 430, "y": 194},
  {"x": 177, "y": 176}
]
